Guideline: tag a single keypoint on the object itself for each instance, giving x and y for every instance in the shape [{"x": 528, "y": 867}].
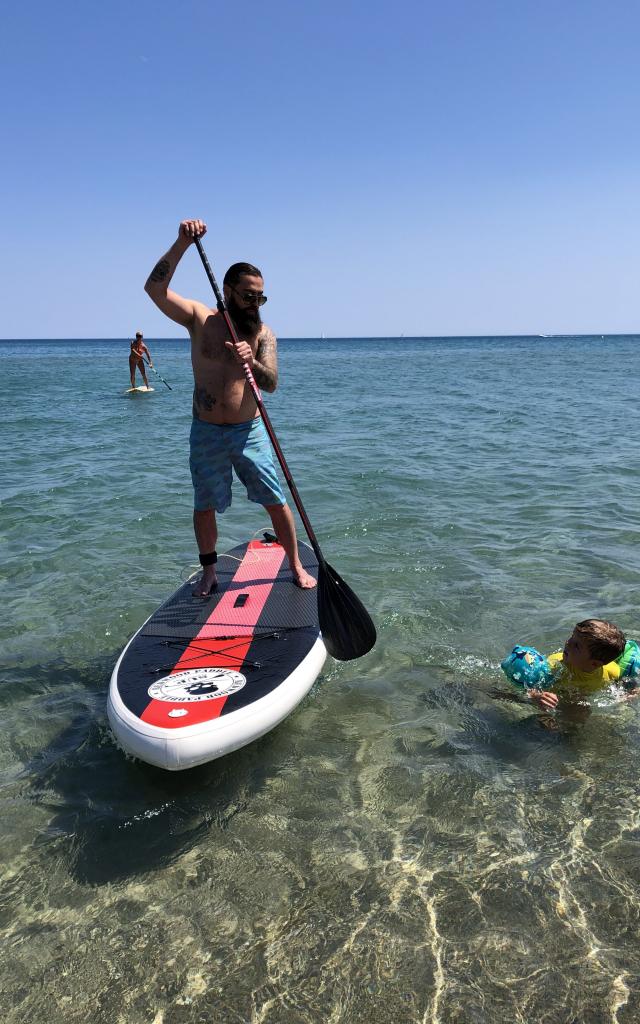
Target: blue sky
[{"x": 394, "y": 168}]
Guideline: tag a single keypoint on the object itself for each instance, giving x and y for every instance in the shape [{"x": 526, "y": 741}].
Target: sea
[{"x": 415, "y": 843}]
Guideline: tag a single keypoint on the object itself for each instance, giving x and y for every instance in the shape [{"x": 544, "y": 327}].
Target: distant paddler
[{"x": 136, "y": 359}]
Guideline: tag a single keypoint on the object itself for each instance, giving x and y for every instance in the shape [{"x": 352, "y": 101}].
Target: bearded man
[{"x": 227, "y": 430}]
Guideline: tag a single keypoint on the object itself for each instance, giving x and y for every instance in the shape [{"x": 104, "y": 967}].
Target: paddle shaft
[
  {"x": 157, "y": 374},
  {"x": 255, "y": 390}
]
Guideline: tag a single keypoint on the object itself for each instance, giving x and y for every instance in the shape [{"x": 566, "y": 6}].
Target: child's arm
[{"x": 545, "y": 698}]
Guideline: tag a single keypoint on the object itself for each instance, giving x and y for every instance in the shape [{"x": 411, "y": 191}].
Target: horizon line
[{"x": 353, "y": 337}]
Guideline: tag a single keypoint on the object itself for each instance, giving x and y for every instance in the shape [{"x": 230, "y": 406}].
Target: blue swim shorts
[{"x": 216, "y": 448}]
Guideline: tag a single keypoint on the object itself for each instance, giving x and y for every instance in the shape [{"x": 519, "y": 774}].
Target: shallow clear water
[{"x": 406, "y": 846}]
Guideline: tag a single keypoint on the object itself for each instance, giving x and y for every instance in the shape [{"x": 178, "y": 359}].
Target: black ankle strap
[{"x": 209, "y": 559}]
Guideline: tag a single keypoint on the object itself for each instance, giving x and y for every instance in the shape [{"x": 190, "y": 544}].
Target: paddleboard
[
  {"x": 130, "y": 391},
  {"x": 205, "y": 676}
]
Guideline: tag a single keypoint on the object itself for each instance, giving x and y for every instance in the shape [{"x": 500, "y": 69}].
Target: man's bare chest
[{"x": 212, "y": 346}]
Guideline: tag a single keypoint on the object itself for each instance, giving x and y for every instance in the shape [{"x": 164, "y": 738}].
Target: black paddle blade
[{"x": 347, "y": 629}]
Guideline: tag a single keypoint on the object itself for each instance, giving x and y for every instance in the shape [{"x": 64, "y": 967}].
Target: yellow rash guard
[{"x": 588, "y": 682}]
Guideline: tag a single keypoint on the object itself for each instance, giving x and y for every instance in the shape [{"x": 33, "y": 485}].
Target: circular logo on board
[{"x": 197, "y": 684}]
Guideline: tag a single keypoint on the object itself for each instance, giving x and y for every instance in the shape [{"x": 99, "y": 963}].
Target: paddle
[
  {"x": 157, "y": 374},
  {"x": 347, "y": 629}
]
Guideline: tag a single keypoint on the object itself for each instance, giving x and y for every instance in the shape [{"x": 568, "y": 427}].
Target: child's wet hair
[{"x": 605, "y": 640}]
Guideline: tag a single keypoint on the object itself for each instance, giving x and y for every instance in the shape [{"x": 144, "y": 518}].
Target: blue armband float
[
  {"x": 629, "y": 662},
  {"x": 527, "y": 668}
]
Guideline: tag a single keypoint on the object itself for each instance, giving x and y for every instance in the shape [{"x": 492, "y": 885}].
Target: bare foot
[
  {"x": 207, "y": 583},
  {"x": 302, "y": 579}
]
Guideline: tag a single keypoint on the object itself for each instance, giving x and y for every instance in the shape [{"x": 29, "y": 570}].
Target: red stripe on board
[
  {"x": 157, "y": 712},
  {"x": 207, "y": 649},
  {"x": 260, "y": 562}
]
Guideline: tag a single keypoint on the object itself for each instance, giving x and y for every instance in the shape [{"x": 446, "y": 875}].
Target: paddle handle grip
[{"x": 255, "y": 390}]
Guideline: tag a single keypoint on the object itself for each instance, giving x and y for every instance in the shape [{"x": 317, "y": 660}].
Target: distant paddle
[
  {"x": 157, "y": 374},
  {"x": 347, "y": 629}
]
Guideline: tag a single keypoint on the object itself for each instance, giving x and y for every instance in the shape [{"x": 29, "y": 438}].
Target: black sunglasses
[{"x": 248, "y": 297}]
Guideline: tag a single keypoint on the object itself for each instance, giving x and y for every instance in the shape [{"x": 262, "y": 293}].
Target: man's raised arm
[{"x": 157, "y": 287}]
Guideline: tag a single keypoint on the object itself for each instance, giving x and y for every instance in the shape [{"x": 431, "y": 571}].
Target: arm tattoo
[
  {"x": 265, "y": 365},
  {"x": 160, "y": 271},
  {"x": 265, "y": 378}
]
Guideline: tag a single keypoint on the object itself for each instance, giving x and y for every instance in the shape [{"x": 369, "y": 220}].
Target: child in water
[{"x": 591, "y": 660}]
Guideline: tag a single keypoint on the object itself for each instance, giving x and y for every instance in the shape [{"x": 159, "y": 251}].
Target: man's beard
[{"x": 245, "y": 318}]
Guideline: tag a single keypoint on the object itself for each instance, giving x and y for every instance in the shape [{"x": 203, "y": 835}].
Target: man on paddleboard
[
  {"x": 227, "y": 431},
  {"x": 138, "y": 349}
]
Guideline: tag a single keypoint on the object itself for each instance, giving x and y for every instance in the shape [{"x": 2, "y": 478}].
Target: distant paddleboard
[
  {"x": 130, "y": 391},
  {"x": 205, "y": 676}
]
